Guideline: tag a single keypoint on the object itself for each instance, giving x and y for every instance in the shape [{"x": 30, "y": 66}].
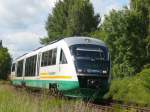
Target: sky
[{"x": 22, "y": 22}]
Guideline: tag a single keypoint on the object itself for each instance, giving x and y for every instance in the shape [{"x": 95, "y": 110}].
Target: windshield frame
[{"x": 90, "y": 48}]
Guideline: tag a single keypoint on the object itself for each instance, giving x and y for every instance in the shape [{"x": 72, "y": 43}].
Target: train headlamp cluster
[
  {"x": 104, "y": 72},
  {"x": 93, "y": 83}
]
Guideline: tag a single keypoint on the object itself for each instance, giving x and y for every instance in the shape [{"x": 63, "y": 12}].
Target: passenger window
[
  {"x": 20, "y": 68},
  {"x": 13, "y": 67},
  {"x": 62, "y": 58},
  {"x": 54, "y": 52},
  {"x": 30, "y": 66},
  {"x": 49, "y": 57},
  {"x": 45, "y": 58}
]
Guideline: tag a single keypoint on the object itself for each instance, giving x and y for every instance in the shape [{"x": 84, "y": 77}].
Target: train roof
[
  {"x": 83, "y": 40},
  {"x": 69, "y": 41}
]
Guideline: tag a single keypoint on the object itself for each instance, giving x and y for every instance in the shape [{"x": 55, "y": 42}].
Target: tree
[
  {"x": 143, "y": 8},
  {"x": 99, "y": 34},
  {"x": 126, "y": 41},
  {"x": 71, "y": 18},
  {"x": 5, "y": 63}
]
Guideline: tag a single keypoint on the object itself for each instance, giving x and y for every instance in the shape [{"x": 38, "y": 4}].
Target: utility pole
[{"x": 1, "y": 44}]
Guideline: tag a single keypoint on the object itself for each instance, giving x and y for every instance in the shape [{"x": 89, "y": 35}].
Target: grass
[
  {"x": 134, "y": 90},
  {"x": 22, "y": 101},
  {"x": 13, "y": 100}
]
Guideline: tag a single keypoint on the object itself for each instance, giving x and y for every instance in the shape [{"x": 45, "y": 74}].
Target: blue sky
[{"x": 22, "y": 21}]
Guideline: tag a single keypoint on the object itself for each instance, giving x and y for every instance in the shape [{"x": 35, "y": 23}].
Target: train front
[{"x": 92, "y": 65}]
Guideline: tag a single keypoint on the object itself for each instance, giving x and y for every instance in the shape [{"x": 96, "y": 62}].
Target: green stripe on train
[{"x": 61, "y": 85}]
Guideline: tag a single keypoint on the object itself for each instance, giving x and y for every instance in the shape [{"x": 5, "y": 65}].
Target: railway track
[
  {"x": 113, "y": 107},
  {"x": 103, "y": 107}
]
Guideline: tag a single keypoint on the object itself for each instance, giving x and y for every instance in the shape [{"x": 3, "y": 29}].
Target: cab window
[{"x": 63, "y": 59}]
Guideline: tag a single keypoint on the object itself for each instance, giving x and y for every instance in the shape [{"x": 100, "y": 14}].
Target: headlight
[{"x": 104, "y": 72}]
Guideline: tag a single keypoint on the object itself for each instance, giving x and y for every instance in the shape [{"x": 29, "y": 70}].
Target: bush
[
  {"x": 134, "y": 90},
  {"x": 122, "y": 70}
]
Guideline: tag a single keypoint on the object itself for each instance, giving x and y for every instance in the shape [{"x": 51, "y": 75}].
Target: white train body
[{"x": 57, "y": 65}]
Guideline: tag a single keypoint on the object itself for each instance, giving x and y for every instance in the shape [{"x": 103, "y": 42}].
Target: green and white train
[{"x": 76, "y": 66}]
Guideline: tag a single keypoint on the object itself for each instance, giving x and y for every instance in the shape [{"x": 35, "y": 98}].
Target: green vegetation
[
  {"x": 123, "y": 29},
  {"x": 22, "y": 101},
  {"x": 71, "y": 18},
  {"x": 135, "y": 90},
  {"x": 5, "y": 63},
  {"x": 19, "y": 100},
  {"x": 127, "y": 35}
]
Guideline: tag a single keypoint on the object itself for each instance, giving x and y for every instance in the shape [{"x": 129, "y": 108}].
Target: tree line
[
  {"x": 5, "y": 62},
  {"x": 126, "y": 32}
]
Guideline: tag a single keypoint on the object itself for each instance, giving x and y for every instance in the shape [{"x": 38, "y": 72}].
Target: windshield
[{"x": 89, "y": 59}]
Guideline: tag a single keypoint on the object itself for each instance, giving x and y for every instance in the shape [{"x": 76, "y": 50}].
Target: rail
[
  {"x": 113, "y": 106},
  {"x": 106, "y": 107}
]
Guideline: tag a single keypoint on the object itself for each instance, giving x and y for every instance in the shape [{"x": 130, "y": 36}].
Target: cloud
[
  {"x": 22, "y": 42},
  {"x": 22, "y": 23},
  {"x": 103, "y": 7},
  {"x": 20, "y": 13}
]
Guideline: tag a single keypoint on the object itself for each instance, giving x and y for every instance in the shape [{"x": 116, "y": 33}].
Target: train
[{"x": 75, "y": 66}]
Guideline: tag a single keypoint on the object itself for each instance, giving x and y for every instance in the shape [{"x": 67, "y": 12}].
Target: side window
[
  {"x": 42, "y": 62},
  {"x": 49, "y": 57},
  {"x": 63, "y": 59},
  {"x": 13, "y": 67},
  {"x": 46, "y": 58},
  {"x": 49, "y": 60},
  {"x": 54, "y": 54},
  {"x": 19, "y": 68},
  {"x": 30, "y": 66}
]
